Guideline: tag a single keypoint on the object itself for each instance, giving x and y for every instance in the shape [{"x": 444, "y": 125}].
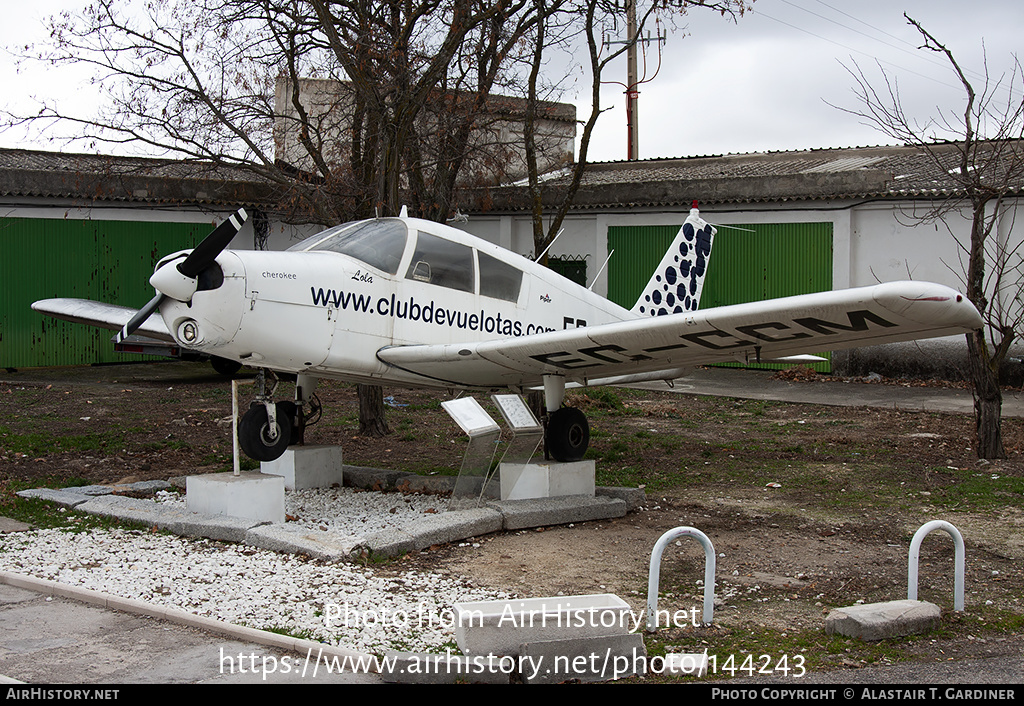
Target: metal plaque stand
[
  {"x": 527, "y": 434},
  {"x": 476, "y": 465}
]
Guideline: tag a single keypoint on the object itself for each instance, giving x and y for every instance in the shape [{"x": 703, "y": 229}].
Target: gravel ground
[
  {"x": 346, "y": 511},
  {"x": 361, "y": 608}
]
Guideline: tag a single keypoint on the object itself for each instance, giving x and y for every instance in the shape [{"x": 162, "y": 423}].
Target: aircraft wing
[
  {"x": 109, "y": 316},
  {"x": 884, "y": 313}
]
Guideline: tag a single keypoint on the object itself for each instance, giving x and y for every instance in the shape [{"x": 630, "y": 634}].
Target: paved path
[
  {"x": 55, "y": 639},
  {"x": 759, "y": 385}
]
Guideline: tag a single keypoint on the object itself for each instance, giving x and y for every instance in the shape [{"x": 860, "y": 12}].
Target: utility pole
[
  {"x": 634, "y": 77},
  {"x": 632, "y": 94}
]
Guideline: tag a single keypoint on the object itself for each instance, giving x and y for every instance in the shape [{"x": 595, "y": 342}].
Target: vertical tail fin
[{"x": 676, "y": 284}]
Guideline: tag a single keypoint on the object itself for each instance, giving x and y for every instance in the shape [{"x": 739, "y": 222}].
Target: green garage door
[
  {"x": 108, "y": 261},
  {"x": 748, "y": 262}
]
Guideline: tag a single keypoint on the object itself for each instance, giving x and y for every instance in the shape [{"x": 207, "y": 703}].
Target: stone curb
[
  {"x": 442, "y": 528},
  {"x": 180, "y": 617}
]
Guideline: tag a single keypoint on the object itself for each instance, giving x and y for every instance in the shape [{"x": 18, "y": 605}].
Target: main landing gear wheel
[
  {"x": 254, "y": 433},
  {"x": 225, "y": 367},
  {"x": 568, "y": 434}
]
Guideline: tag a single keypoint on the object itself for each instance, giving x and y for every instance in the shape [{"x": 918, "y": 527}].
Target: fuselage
[{"x": 326, "y": 306}]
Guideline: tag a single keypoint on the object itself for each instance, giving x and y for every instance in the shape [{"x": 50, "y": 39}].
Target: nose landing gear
[
  {"x": 267, "y": 429},
  {"x": 263, "y": 438}
]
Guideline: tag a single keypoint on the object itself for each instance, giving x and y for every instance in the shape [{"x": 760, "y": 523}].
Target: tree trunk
[
  {"x": 988, "y": 398},
  {"x": 372, "y": 421}
]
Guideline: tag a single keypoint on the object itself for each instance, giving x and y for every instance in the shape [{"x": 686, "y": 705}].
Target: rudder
[{"x": 676, "y": 284}]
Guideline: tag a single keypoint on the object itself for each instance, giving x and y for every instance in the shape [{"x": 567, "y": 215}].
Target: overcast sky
[{"x": 763, "y": 83}]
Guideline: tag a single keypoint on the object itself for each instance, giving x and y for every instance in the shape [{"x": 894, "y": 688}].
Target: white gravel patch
[
  {"x": 341, "y": 604},
  {"x": 347, "y": 511}
]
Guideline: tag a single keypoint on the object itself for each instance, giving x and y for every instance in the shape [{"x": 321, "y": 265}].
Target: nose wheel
[
  {"x": 267, "y": 428},
  {"x": 263, "y": 438}
]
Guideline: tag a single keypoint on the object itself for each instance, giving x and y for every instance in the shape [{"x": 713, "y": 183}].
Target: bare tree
[
  {"x": 585, "y": 21},
  {"x": 980, "y": 151},
  {"x": 221, "y": 82}
]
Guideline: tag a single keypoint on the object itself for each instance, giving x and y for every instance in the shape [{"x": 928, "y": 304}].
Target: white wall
[{"x": 873, "y": 241}]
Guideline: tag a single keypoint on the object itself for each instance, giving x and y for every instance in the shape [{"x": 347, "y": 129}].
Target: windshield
[{"x": 379, "y": 242}]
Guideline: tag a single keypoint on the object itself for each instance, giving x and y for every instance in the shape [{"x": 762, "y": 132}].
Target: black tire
[
  {"x": 254, "y": 433},
  {"x": 568, "y": 434},
  {"x": 225, "y": 367}
]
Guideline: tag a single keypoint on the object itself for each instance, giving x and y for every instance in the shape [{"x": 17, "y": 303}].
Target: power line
[{"x": 913, "y": 51}]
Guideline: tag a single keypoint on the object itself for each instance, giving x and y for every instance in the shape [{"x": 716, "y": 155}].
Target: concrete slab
[
  {"x": 441, "y": 528},
  {"x": 878, "y": 621},
  {"x": 146, "y": 486},
  {"x": 253, "y": 496},
  {"x": 502, "y": 627},
  {"x": 65, "y": 497},
  {"x": 392, "y": 542},
  {"x": 373, "y": 478},
  {"x": 432, "y": 485},
  {"x": 171, "y": 518},
  {"x": 9, "y": 525},
  {"x": 546, "y": 480},
  {"x": 633, "y": 497},
  {"x": 302, "y": 540},
  {"x": 446, "y": 527},
  {"x": 424, "y": 668},
  {"x": 308, "y": 467},
  {"x": 686, "y": 664},
  {"x": 94, "y": 489}
]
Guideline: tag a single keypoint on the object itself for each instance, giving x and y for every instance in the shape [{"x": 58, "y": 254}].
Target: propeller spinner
[{"x": 180, "y": 282}]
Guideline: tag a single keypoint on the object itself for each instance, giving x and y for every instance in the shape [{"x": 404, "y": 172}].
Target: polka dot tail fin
[{"x": 676, "y": 284}]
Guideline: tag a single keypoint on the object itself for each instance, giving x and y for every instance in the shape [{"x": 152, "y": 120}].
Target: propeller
[{"x": 179, "y": 282}]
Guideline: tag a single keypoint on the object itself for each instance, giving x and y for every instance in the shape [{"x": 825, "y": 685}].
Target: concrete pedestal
[
  {"x": 878, "y": 621},
  {"x": 546, "y": 480},
  {"x": 254, "y": 496},
  {"x": 307, "y": 467},
  {"x": 502, "y": 627}
]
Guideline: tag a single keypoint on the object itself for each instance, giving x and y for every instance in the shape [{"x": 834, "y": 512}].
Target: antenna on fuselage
[
  {"x": 557, "y": 236},
  {"x": 591, "y": 287}
]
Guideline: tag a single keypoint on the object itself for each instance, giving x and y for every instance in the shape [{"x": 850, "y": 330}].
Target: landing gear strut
[
  {"x": 267, "y": 429},
  {"x": 566, "y": 433}
]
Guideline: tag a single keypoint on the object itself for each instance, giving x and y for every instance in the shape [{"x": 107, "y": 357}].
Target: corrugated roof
[
  {"x": 854, "y": 173},
  {"x": 29, "y": 173},
  {"x": 863, "y": 172}
]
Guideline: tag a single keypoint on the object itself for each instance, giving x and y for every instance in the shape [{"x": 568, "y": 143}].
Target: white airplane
[{"x": 415, "y": 303}]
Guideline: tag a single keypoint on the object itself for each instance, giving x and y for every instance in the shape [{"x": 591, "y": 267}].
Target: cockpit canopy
[{"x": 381, "y": 242}]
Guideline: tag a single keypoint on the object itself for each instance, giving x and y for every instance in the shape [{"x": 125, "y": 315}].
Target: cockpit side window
[
  {"x": 379, "y": 243},
  {"x": 442, "y": 262},
  {"x": 499, "y": 279}
]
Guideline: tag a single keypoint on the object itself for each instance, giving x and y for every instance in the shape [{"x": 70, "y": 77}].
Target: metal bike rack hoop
[
  {"x": 959, "y": 560},
  {"x": 655, "y": 572}
]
